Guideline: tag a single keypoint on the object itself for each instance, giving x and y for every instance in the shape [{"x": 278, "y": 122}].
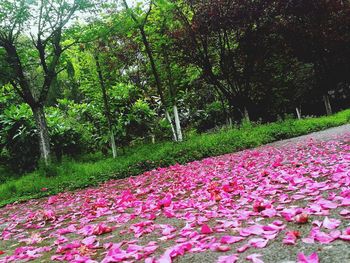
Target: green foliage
[
  {"x": 72, "y": 175},
  {"x": 19, "y": 138},
  {"x": 212, "y": 116}
]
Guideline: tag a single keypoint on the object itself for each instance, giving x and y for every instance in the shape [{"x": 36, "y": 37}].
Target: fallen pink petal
[{"x": 313, "y": 258}]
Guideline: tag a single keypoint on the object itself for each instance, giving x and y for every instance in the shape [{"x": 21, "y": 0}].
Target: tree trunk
[
  {"x": 298, "y": 113},
  {"x": 229, "y": 122},
  {"x": 246, "y": 115},
  {"x": 157, "y": 79},
  {"x": 167, "y": 115},
  {"x": 106, "y": 104},
  {"x": 177, "y": 124},
  {"x": 327, "y": 104},
  {"x": 43, "y": 133},
  {"x": 114, "y": 147}
]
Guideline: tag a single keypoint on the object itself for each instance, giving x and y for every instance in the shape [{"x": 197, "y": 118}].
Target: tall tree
[
  {"x": 223, "y": 39},
  {"x": 106, "y": 103},
  {"x": 140, "y": 23},
  {"x": 317, "y": 32},
  {"x": 34, "y": 58}
]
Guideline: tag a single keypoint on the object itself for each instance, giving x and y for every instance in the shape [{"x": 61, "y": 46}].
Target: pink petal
[
  {"x": 230, "y": 239},
  {"x": 228, "y": 259},
  {"x": 206, "y": 229},
  {"x": 289, "y": 239},
  {"x": 243, "y": 248},
  {"x": 258, "y": 242},
  {"x": 330, "y": 223},
  {"x": 255, "y": 258},
  {"x": 324, "y": 238},
  {"x": 269, "y": 213},
  {"x": 313, "y": 258},
  {"x": 344, "y": 212},
  {"x": 223, "y": 248}
]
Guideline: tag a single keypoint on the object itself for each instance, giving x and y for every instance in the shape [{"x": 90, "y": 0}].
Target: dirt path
[{"x": 221, "y": 209}]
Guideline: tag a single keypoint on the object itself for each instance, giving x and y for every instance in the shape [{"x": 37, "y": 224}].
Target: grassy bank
[{"x": 73, "y": 175}]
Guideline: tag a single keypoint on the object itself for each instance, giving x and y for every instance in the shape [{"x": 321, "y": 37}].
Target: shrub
[{"x": 19, "y": 138}]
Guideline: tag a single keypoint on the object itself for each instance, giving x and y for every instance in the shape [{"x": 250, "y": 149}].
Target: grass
[{"x": 72, "y": 175}]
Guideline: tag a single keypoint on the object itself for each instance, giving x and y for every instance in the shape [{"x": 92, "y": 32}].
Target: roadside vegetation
[{"x": 92, "y": 169}]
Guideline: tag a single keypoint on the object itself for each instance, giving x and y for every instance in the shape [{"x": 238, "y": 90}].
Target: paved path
[
  {"x": 163, "y": 212},
  {"x": 321, "y": 135}
]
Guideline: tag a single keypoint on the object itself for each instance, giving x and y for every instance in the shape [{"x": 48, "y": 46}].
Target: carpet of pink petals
[{"x": 233, "y": 205}]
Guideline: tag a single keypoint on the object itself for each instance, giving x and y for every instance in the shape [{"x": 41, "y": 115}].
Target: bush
[
  {"x": 18, "y": 136},
  {"x": 211, "y": 117},
  {"x": 21, "y": 151}
]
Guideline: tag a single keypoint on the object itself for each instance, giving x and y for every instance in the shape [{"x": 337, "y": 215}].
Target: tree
[
  {"x": 317, "y": 32},
  {"x": 34, "y": 59},
  {"x": 140, "y": 24},
  {"x": 105, "y": 103},
  {"x": 225, "y": 40}
]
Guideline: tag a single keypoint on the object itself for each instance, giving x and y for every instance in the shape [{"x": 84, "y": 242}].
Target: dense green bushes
[
  {"x": 71, "y": 174},
  {"x": 75, "y": 129},
  {"x": 20, "y": 150}
]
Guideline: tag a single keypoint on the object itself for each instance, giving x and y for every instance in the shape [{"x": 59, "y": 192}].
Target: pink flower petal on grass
[
  {"x": 89, "y": 241},
  {"x": 331, "y": 223},
  {"x": 345, "y": 202},
  {"x": 345, "y": 235},
  {"x": 313, "y": 258},
  {"x": 269, "y": 213},
  {"x": 205, "y": 229},
  {"x": 344, "y": 212},
  {"x": 223, "y": 248},
  {"x": 258, "y": 242},
  {"x": 290, "y": 238},
  {"x": 324, "y": 238},
  {"x": 308, "y": 240},
  {"x": 255, "y": 258},
  {"x": 228, "y": 259},
  {"x": 243, "y": 248},
  {"x": 230, "y": 239},
  {"x": 252, "y": 230}
]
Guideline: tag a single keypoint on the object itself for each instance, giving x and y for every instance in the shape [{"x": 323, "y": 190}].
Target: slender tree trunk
[
  {"x": 157, "y": 79},
  {"x": 327, "y": 104},
  {"x": 43, "y": 133},
  {"x": 167, "y": 116},
  {"x": 246, "y": 114},
  {"x": 114, "y": 147},
  {"x": 153, "y": 64},
  {"x": 177, "y": 124},
  {"x": 172, "y": 92},
  {"x": 106, "y": 105},
  {"x": 229, "y": 122},
  {"x": 298, "y": 113}
]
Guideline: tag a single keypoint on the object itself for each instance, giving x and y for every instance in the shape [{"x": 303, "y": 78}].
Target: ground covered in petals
[{"x": 278, "y": 203}]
